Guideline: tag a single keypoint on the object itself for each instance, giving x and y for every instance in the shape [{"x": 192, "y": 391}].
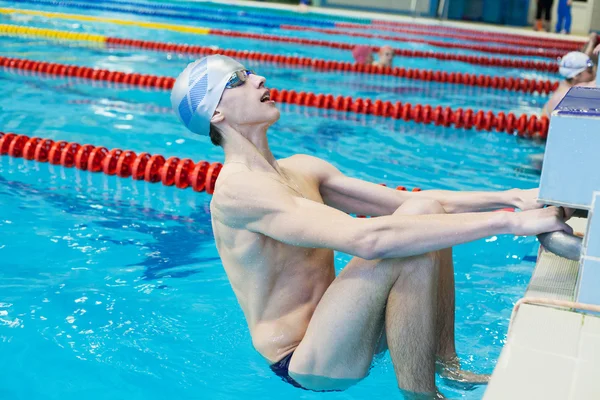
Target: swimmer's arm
[
  {"x": 588, "y": 47},
  {"x": 263, "y": 206},
  {"x": 545, "y": 112},
  {"x": 359, "y": 197},
  {"x": 465, "y": 202}
]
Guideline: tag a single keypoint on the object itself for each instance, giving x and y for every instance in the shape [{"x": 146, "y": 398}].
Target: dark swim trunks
[{"x": 281, "y": 369}]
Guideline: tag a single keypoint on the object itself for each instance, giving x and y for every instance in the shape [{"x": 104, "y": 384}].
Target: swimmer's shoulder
[
  {"x": 310, "y": 165},
  {"x": 232, "y": 181},
  {"x": 246, "y": 196}
]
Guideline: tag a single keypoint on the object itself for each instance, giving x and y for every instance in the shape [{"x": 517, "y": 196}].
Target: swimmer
[
  {"x": 277, "y": 223},
  {"x": 590, "y": 46},
  {"x": 386, "y": 56},
  {"x": 576, "y": 68},
  {"x": 363, "y": 55},
  {"x": 303, "y": 6}
]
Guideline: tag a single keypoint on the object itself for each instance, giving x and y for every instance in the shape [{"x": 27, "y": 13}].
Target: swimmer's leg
[
  {"x": 568, "y": 22},
  {"x": 446, "y": 349},
  {"x": 410, "y": 326},
  {"x": 344, "y": 332},
  {"x": 448, "y": 362}
]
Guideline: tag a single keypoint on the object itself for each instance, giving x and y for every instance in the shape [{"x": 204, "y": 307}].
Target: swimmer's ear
[{"x": 217, "y": 117}]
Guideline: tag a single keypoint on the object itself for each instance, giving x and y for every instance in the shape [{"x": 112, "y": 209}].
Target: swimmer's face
[
  {"x": 586, "y": 76},
  {"x": 386, "y": 55},
  {"x": 248, "y": 104}
]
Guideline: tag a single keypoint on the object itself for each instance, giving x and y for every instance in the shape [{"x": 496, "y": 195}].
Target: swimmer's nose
[{"x": 258, "y": 81}]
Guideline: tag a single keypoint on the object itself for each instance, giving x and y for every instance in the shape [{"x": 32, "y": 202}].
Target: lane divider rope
[
  {"x": 524, "y": 125},
  {"x": 308, "y": 112},
  {"x": 182, "y": 173},
  {"x": 486, "y": 81},
  {"x": 339, "y": 22},
  {"x": 150, "y": 10},
  {"x": 80, "y": 17},
  {"x": 150, "y": 13},
  {"x": 316, "y": 18},
  {"x": 244, "y": 15},
  {"x": 471, "y": 59},
  {"x": 480, "y": 36},
  {"x": 172, "y": 171},
  {"x": 544, "y": 53},
  {"x": 377, "y": 24},
  {"x": 203, "y": 8},
  {"x": 361, "y": 23}
]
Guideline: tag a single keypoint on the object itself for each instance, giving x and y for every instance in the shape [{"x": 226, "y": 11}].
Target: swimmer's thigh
[{"x": 347, "y": 327}]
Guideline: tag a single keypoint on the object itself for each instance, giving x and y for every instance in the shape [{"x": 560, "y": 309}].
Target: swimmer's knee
[
  {"x": 421, "y": 268},
  {"x": 421, "y": 206}
]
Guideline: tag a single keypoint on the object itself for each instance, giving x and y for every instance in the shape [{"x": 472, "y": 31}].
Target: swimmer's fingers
[
  {"x": 567, "y": 228},
  {"x": 568, "y": 212},
  {"x": 597, "y": 49},
  {"x": 564, "y": 214}
]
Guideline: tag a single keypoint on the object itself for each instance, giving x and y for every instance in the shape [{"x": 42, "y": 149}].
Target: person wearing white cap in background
[
  {"x": 578, "y": 69},
  {"x": 276, "y": 223}
]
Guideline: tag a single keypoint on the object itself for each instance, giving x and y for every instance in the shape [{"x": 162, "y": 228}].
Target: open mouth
[{"x": 265, "y": 97}]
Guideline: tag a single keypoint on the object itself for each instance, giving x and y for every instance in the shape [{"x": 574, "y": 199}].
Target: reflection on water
[{"x": 169, "y": 249}]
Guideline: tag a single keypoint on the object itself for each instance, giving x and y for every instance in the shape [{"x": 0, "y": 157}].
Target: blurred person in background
[
  {"x": 543, "y": 7},
  {"x": 303, "y": 5},
  {"x": 363, "y": 55},
  {"x": 563, "y": 25},
  {"x": 386, "y": 56},
  {"x": 576, "y": 68}
]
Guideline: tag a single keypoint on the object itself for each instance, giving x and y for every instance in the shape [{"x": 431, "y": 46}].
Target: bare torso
[
  {"x": 557, "y": 96},
  {"x": 277, "y": 285}
]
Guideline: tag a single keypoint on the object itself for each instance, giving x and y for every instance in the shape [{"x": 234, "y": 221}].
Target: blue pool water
[{"x": 112, "y": 289}]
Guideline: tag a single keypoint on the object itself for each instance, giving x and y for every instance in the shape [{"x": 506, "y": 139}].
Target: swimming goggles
[
  {"x": 589, "y": 63},
  {"x": 238, "y": 78}
]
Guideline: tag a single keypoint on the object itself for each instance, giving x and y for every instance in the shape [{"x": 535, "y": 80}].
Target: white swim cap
[
  {"x": 198, "y": 89},
  {"x": 574, "y": 63}
]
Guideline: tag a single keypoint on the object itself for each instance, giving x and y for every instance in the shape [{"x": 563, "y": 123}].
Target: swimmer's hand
[
  {"x": 597, "y": 49},
  {"x": 526, "y": 199},
  {"x": 534, "y": 222}
]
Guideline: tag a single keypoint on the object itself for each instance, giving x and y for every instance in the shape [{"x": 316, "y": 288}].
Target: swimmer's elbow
[
  {"x": 383, "y": 240},
  {"x": 366, "y": 252},
  {"x": 368, "y": 245}
]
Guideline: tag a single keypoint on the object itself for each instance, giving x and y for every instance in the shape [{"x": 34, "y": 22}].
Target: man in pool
[
  {"x": 386, "y": 56},
  {"x": 277, "y": 222},
  {"x": 363, "y": 55},
  {"x": 577, "y": 69}
]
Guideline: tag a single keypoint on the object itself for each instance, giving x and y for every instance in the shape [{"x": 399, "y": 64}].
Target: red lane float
[
  {"x": 545, "y": 53},
  {"x": 201, "y": 176},
  {"x": 331, "y": 65},
  {"x": 147, "y": 81},
  {"x": 495, "y": 82},
  {"x": 488, "y": 37},
  {"x": 477, "y": 60},
  {"x": 184, "y": 173},
  {"x": 524, "y": 125}
]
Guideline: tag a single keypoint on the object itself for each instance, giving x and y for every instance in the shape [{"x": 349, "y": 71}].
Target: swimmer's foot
[{"x": 454, "y": 376}]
